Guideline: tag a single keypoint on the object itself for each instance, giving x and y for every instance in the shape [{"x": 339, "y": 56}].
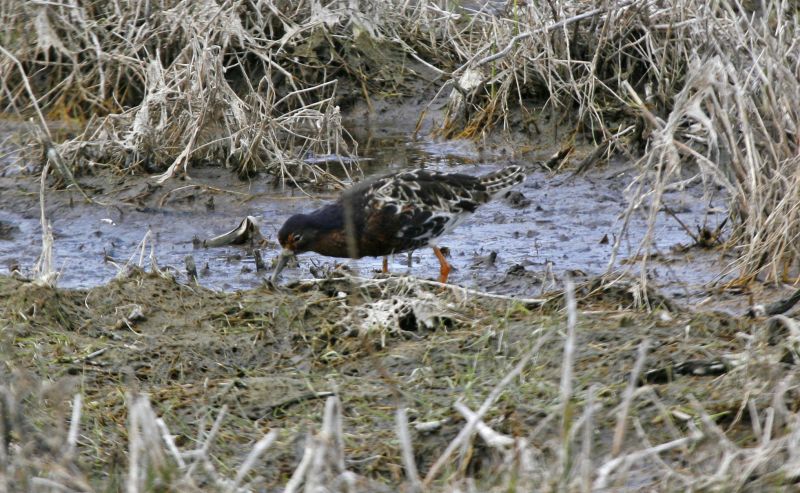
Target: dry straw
[{"x": 183, "y": 82}]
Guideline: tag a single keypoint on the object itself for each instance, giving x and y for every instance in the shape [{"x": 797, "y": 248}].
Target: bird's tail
[{"x": 501, "y": 180}]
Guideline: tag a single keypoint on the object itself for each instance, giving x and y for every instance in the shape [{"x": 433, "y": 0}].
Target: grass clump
[
  {"x": 236, "y": 83},
  {"x": 733, "y": 125},
  {"x": 692, "y": 92}
]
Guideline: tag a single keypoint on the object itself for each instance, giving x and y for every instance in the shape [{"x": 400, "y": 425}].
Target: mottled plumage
[{"x": 393, "y": 214}]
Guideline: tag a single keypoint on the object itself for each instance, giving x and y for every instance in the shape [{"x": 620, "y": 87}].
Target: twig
[
  {"x": 53, "y": 155},
  {"x": 44, "y": 274},
  {"x": 74, "y": 425},
  {"x": 203, "y": 451},
  {"x": 260, "y": 447},
  {"x": 688, "y": 231},
  {"x": 552, "y": 27},
  {"x": 585, "y": 460},
  {"x": 135, "y": 446},
  {"x": 565, "y": 394},
  {"x": 603, "y": 473},
  {"x": 491, "y": 437},
  {"x": 302, "y": 468},
  {"x": 173, "y": 449},
  {"x": 627, "y": 399},
  {"x": 467, "y": 430},
  {"x": 407, "y": 451},
  {"x": 34, "y": 100}
]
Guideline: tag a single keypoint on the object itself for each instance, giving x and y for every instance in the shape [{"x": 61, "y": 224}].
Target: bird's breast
[{"x": 334, "y": 243}]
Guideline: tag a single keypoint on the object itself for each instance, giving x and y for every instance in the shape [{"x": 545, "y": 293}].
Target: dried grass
[
  {"x": 183, "y": 82},
  {"x": 705, "y": 89},
  {"x": 610, "y": 438},
  {"x": 722, "y": 112},
  {"x": 734, "y": 125}
]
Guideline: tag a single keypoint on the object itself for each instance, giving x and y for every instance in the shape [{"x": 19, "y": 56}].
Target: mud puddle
[{"x": 551, "y": 225}]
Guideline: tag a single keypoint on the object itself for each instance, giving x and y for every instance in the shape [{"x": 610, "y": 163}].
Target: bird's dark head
[
  {"x": 305, "y": 232},
  {"x": 298, "y": 233}
]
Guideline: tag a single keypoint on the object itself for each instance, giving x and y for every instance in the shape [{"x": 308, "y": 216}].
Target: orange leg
[
  {"x": 385, "y": 264},
  {"x": 444, "y": 269}
]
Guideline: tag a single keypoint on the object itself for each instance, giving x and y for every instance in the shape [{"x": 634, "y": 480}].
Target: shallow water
[{"x": 569, "y": 225}]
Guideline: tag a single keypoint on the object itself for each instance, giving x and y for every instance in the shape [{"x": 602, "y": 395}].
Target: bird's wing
[
  {"x": 431, "y": 191},
  {"x": 419, "y": 206}
]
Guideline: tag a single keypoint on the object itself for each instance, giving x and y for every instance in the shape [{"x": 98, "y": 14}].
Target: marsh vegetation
[{"x": 358, "y": 383}]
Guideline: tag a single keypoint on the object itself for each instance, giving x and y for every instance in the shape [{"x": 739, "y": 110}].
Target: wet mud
[{"x": 554, "y": 224}]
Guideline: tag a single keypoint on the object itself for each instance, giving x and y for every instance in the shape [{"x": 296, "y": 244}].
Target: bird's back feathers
[{"x": 501, "y": 180}]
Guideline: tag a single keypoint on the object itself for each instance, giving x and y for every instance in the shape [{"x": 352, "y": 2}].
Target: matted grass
[{"x": 177, "y": 385}]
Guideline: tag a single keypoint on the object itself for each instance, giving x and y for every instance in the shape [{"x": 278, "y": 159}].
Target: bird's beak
[{"x": 286, "y": 254}]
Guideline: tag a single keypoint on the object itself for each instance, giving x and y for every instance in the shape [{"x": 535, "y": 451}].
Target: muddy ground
[
  {"x": 556, "y": 223},
  {"x": 266, "y": 352}
]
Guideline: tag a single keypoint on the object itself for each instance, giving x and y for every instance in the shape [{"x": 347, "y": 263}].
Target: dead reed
[
  {"x": 733, "y": 124},
  {"x": 703, "y": 91},
  {"x": 181, "y": 82}
]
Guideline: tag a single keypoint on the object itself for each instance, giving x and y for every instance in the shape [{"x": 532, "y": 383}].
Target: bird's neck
[
  {"x": 337, "y": 237},
  {"x": 329, "y": 217}
]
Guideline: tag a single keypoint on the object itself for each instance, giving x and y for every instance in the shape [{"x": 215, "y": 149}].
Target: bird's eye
[{"x": 298, "y": 237}]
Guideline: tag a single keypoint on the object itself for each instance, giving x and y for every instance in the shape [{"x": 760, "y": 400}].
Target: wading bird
[{"x": 392, "y": 214}]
